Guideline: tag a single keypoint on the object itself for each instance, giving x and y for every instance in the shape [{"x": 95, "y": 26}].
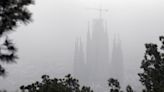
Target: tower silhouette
[
  {"x": 95, "y": 71},
  {"x": 93, "y": 66},
  {"x": 79, "y": 64},
  {"x": 97, "y": 51},
  {"x": 117, "y": 66}
]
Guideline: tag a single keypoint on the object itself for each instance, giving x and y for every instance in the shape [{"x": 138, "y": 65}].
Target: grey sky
[{"x": 46, "y": 45}]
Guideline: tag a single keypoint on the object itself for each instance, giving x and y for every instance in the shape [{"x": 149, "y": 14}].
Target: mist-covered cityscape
[{"x": 81, "y": 46}]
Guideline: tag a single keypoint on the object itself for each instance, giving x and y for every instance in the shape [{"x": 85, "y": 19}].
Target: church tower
[
  {"x": 93, "y": 66},
  {"x": 117, "y": 66},
  {"x": 97, "y": 54},
  {"x": 79, "y": 60}
]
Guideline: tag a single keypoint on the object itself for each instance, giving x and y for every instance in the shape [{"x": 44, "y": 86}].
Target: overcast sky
[{"x": 46, "y": 45}]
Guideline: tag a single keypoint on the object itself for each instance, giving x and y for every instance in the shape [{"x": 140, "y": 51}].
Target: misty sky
[{"x": 46, "y": 46}]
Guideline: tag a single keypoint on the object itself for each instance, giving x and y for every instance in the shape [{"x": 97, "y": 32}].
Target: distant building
[
  {"x": 93, "y": 66},
  {"x": 97, "y": 53},
  {"x": 117, "y": 66},
  {"x": 79, "y": 64}
]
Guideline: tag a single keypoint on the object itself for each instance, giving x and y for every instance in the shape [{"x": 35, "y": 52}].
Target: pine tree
[{"x": 12, "y": 13}]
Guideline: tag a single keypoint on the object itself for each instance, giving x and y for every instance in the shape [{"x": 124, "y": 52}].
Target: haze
[{"x": 46, "y": 46}]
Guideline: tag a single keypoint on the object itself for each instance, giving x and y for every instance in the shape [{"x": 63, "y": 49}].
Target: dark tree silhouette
[
  {"x": 67, "y": 84},
  {"x": 115, "y": 86},
  {"x": 152, "y": 65},
  {"x": 129, "y": 89},
  {"x": 12, "y": 13},
  {"x": 153, "y": 68}
]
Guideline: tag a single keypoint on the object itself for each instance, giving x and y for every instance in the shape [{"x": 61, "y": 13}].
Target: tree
[
  {"x": 114, "y": 85},
  {"x": 152, "y": 65},
  {"x": 67, "y": 84},
  {"x": 129, "y": 89},
  {"x": 12, "y": 13}
]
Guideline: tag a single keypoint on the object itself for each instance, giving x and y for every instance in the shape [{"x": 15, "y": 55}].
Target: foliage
[
  {"x": 129, "y": 89},
  {"x": 12, "y": 12},
  {"x": 152, "y": 65},
  {"x": 67, "y": 84},
  {"x": 153, "y": 68},
  {"x": 114, "y": 84}
]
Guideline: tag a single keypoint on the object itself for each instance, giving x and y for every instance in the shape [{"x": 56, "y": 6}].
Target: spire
[
  {"x": 114, "y": 43},
  {"x": 117, "y": 41},
  {"x": 79, "y": 53},
  {"x": 76, "y": 50},
  {"x": 88, "y": 33},
  {"x": 88, "y": 41},
  {"x": 79, "y": 61},
  {"x": 106, "y": 31},
  {"x": 117, "y": 47},
  {"x": 117, "y": 59},
  {"x": 81, "y": 49},
  {"x": 76, "y": 54}
]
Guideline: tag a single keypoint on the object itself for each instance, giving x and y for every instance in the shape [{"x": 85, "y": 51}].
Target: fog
[{"x": 46, "y": 46}]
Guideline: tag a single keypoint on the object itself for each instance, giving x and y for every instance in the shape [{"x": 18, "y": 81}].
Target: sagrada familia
[{"x": 93, "y": 63}]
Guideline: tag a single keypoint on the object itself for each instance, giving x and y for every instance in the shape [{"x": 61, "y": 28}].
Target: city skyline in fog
[
  {"x": 46, "y": 46},
  {"x": 92, "y": 63}
]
